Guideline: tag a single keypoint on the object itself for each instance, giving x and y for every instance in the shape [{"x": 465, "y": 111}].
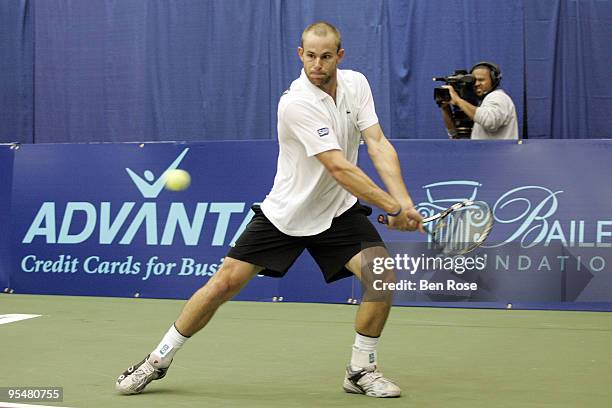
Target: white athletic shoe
[
  {"x": 135, "y": 379},
  {"x": 369, "y": 381}
]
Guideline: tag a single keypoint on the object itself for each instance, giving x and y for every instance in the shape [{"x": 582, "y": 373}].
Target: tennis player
[{"x": 313, "y": 205}]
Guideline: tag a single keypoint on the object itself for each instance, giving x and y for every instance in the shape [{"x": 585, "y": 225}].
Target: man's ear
[{"x": 340, "y": 54}]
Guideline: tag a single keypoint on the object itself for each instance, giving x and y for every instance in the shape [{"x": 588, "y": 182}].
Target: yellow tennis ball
[{"x": 177, "y": 179}]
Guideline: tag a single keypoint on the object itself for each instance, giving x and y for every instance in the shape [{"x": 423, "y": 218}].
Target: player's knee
[
  {"x": 219, "y": 289},
  {"x": 226, "y": 282},
  {"x": 377, "y": 280}
]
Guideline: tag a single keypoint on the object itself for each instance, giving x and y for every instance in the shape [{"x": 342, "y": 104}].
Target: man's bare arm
[
  {"x": 386, "y": 162},
  {"x": 356, "y": 182}
]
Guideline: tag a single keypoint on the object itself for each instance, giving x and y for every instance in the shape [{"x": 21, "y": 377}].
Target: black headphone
[{"x": 496, "y": 75}]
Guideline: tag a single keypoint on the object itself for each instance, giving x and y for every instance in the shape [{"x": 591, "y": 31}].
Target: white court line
[
  {"x": 12, "y": 405},
  {"x": 10, "y": 318}
]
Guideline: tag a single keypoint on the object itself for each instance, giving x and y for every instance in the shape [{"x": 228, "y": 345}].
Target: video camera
[{"x": 463, "y": 83}]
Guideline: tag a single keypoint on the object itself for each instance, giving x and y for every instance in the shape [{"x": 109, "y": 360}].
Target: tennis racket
[{"x": 459, "y": 229}]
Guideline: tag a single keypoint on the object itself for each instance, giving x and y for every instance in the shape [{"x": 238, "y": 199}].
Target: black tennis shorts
[{"x": 264, "y": 245}]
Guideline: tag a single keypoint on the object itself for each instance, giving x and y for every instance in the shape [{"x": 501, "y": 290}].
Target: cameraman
[{"x": 495, "y": 117}]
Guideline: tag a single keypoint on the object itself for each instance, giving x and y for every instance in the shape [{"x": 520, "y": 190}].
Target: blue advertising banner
[
  {"x": 552, "y": 239},
  {"x": 95, "y": 220},
  {"x": 6, "y": 182}
]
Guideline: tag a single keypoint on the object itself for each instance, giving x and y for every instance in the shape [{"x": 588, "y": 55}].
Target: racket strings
[{"x": 462, "y": 230}]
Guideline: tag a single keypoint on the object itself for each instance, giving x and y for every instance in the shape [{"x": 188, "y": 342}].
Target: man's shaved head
[{"x": 322, "y": 29}]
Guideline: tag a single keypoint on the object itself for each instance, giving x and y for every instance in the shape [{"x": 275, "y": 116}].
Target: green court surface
[{"x": 293, "y": 355}]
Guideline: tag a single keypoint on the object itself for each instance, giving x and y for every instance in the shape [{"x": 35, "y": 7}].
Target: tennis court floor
[{"x": 293, "y": 355}]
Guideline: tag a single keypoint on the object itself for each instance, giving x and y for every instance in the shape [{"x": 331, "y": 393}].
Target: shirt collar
[{"x": 318, "y": 92}]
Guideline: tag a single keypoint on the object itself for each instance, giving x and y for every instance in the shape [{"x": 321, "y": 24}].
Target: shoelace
[
  {"x": 371, "y": 379},
  {"x": 142, "y": 372},
  {"x": 373, "y": 375}
]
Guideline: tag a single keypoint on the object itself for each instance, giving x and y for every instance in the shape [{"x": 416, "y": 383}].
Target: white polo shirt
[
  {"x": 495, "y": 118},
  {"x": 305, "y": 197}
]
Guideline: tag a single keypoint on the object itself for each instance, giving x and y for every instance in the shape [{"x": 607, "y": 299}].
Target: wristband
[{"x": 395, "y": 214}]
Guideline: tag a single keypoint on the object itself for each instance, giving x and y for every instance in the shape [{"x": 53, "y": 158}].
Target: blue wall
[{"x": 136, "y": 70}]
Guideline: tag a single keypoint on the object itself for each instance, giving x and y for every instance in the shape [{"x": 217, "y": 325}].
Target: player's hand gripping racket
[{"x": 459, "y": 229}]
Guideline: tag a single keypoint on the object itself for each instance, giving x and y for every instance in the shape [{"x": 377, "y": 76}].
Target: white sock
[
  {"x": 165, "y": 350},
  {"x": 364, "y": 352}
]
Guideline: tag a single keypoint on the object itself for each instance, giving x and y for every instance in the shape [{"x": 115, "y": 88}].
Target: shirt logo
[{"x": 323, "y": 131}]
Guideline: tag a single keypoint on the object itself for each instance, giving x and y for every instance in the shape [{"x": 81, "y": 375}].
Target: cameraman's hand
[{"x": 455, "y": 98}]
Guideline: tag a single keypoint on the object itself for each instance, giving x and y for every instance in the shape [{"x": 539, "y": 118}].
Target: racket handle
[{"x": 383, "y": 219}]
